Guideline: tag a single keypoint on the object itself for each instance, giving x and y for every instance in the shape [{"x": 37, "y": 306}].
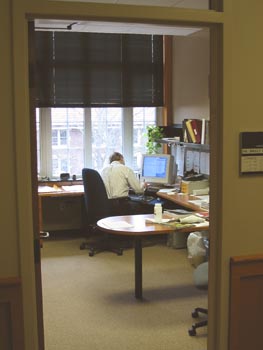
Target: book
[
  {"x": 190, "y": 130},
  {"x": 186, "y": 136},
  {"x": 197, "y": 129}
]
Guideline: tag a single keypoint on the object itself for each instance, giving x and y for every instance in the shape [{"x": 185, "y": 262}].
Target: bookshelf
[
  {"x": 171, "y": 142},
  {"x": 196, "y": 130}
]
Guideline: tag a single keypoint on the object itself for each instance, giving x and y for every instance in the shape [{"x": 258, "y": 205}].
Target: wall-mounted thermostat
[{"x": 251, "y": 153}]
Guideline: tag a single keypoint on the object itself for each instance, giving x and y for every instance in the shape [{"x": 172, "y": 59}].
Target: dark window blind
[{"x": 98, "y": 70}]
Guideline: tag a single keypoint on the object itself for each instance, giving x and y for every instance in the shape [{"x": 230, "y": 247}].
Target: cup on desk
[{"x": 64, "y": 176}]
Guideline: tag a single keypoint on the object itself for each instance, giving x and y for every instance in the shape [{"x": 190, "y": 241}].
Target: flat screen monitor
[{"x": 158, "y": 168}]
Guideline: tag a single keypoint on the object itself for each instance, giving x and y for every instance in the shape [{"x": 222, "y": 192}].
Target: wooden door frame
[{"x": 36, "y": 223}]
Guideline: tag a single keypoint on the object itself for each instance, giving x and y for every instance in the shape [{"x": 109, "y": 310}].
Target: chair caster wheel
[
  {"x": 82, "y": 246},
  {"x": 91, "y": 252},
  {"x": 120, "y": 252},
  {"x": 192, "y": 332}
]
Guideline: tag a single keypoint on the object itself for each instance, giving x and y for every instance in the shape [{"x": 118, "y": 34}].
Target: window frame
[{"x": 45, "y": 139}]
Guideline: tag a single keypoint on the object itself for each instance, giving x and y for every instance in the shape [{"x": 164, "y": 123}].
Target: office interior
[
  {"x": 189, "y": 98},
  {"x": 232, "y": 193},
  {"x": 67, "y": 213}
]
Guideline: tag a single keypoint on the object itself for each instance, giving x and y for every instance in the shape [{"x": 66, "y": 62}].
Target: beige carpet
[{"x": 89, "y": 301}]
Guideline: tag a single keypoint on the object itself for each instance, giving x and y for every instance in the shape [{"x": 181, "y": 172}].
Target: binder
[
  {"x": 197, "y": 129},
  {"x": 186, "y": 135},
  {"x": 190, "y": 130}
]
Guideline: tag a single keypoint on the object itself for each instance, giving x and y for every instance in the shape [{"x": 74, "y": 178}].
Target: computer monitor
[{"x": 158, "y": 168}]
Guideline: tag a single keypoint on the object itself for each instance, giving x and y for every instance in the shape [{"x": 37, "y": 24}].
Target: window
[
  {"x": 106, "y": 126},
  {"x": 70, "y": 139},
  {"x": 59, "y": 137},
  {"x": 96, "y": 93},
  {"x": 142, "y": 117},
  {"x": 67, "y": 125},
  {"x": 79, "y": 69}
]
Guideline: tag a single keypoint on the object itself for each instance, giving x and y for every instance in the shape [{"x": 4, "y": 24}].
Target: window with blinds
[{"x": 98, "y": 70}]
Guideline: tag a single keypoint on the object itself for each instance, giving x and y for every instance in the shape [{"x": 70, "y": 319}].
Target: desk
[
  {"x": 138, "y": 230},
  {"x": 182, "y": 200},
  {"x": 56, "y": 192}
]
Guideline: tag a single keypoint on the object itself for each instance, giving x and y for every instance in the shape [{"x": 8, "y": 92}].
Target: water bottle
[{"x": 158, "y": 212}]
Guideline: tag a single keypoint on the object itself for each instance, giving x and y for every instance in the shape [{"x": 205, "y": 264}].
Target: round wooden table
[{"x": 134, "y": 226}]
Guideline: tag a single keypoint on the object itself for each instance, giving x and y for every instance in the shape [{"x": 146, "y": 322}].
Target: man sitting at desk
[{"x": 118, "y": 179}]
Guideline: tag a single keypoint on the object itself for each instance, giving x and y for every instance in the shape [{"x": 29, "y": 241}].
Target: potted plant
[{"x": 154, "y": 134}]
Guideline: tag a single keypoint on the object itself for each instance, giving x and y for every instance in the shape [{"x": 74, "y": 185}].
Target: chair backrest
[{"x": 96, "y": 199}]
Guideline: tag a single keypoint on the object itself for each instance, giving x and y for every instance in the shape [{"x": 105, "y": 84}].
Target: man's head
[{"x": 116, "y": 156}]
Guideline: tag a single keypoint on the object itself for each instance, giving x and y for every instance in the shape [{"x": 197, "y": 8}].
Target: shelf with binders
[
  {"x": 192, "y": 133},
  {"x": 171, "y": 142},
  {"x": 189, "y": 157},
  {"x": 196, "y": 131}
]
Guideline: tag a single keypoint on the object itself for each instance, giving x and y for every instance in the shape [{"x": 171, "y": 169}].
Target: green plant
[{"x": 154, "y": 134}]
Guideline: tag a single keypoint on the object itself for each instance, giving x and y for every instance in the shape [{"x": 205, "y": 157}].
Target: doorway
[{"x": 213, "y": 74}]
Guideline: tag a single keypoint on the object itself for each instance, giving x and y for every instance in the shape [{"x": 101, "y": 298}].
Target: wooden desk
[
  {"x": 58, "y": 192},
  {"x": 182, "y": 200},
  {"x": 138, "y": 231}
]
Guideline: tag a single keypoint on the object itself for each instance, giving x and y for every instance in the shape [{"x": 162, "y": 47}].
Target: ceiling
[
  {"x": 126, "y": 28},
  {"x": 112, "y": 27}
]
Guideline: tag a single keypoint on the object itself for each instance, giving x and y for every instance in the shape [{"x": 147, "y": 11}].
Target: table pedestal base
[{"x": 138, "y": 267}]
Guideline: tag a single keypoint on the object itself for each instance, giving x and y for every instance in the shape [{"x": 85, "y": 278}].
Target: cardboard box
[{"x": 187, "y": 187}]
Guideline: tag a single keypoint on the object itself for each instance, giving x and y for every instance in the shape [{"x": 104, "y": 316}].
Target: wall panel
[
  {"x": 11, "y": 316},
  {"x": 246, "y": 303}
]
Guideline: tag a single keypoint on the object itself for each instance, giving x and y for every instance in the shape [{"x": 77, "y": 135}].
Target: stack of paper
[
  {"x": 149, "y": 220},
  {"x": 168, "y": 190},
  {"x": 43, "y": 189},
  {"x": 118, "y": 224},
  {"x": 73, "y": 188},
  {"x": 174, "y": 215},
  {"x": 191, "y": 219}
]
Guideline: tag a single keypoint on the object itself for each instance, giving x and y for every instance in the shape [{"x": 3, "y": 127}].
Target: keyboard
[
  {"x": 140, "y": 198},
  {"x": 153, "y": 189}
]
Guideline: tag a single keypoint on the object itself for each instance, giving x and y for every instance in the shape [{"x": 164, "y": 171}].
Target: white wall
[{"x": 191, "y": 76}]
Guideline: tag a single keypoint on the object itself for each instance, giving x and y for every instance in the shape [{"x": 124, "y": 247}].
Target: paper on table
[
  {"x": 191, "y": 219},
  {"x": 200, "y": 203},
  {"x": 167, "y": 190},
  {"x": 202, "y": 224},
  {"x": 178, "y": 225},
  {"x": 73, "y": 188},
  {"x": 204, "y": 197},
  {"x": 175, "y": 215},
  {"x": 43, "y": 189},
  {"x": 118, "y": 224},
  {"x": 156, "y": 222}
]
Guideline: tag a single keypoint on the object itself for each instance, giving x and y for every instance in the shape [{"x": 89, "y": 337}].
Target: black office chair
[
  {"x": 201, "y": 281},
  {"x": 97, "y": 206}
]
